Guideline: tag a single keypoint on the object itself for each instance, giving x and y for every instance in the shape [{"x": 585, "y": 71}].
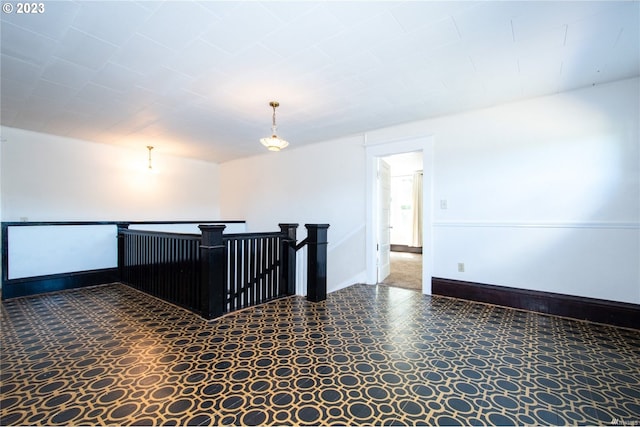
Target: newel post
[
  {"x": 288, "y": 258},
  {"x": 317, "y": 262},
  {"x": 121, "y": 252},
  {"x": 213, "y": 259}
]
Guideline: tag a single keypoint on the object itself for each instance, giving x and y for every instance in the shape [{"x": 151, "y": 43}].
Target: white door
[{"x": 384, "y": 220}]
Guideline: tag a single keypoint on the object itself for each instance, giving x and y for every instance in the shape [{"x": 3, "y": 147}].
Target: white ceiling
[{"x": 194, "y": 79}]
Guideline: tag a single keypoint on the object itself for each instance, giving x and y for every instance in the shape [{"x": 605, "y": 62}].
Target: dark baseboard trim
[
  {"x": 405, "y": 248},
  {"x": 57, "y": 282},
  {"x": 593, "y": 310}
]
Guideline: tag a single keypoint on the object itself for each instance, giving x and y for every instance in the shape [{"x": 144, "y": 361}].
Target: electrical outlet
[
  {"x": 24, "y": 219},
  {"x": 443, "y": 204},
  {"x": 461, "y": 267}
]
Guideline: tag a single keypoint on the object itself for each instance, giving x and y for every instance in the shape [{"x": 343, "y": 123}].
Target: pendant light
[{"x": 274, "y": 143}]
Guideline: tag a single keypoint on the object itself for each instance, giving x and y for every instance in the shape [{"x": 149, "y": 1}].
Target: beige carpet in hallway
[{"x": 406, "y": 271}]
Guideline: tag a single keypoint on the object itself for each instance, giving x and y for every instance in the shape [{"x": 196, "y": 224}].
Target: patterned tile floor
[{"x": 110, "y": 355}]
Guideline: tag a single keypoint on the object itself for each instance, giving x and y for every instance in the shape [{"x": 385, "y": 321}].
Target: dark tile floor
[{"x": 368, "y": 355}]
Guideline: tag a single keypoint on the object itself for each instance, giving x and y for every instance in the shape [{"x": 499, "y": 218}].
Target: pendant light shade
[{"x": 274, "y": 142}]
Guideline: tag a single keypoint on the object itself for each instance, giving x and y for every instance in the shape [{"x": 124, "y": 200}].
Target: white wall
[
  {"x": 542, "y": 194},
  {"x": 320, "y": 183},
  {"x": 51, "y": 178}
]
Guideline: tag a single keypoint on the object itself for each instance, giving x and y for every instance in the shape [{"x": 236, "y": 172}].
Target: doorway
[
  {"x": 374, "y": 153},
  {"x": 400, "y": 182}
]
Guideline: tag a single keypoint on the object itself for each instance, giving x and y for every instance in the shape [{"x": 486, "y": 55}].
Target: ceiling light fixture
[
  {"x": 150, "y": 147},
  {"x": 274, "y": 143}
]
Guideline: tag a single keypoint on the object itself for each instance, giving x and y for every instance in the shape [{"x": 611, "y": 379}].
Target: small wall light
[{"x": 150, "y": 147}]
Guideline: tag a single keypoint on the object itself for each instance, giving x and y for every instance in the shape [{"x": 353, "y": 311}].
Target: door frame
[{"x": 424, "y": 144}]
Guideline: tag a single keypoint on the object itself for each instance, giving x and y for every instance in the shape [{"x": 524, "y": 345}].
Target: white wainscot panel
[
  {"x": 52, "y": 249},
  {"x": 596, "y": 261}
]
